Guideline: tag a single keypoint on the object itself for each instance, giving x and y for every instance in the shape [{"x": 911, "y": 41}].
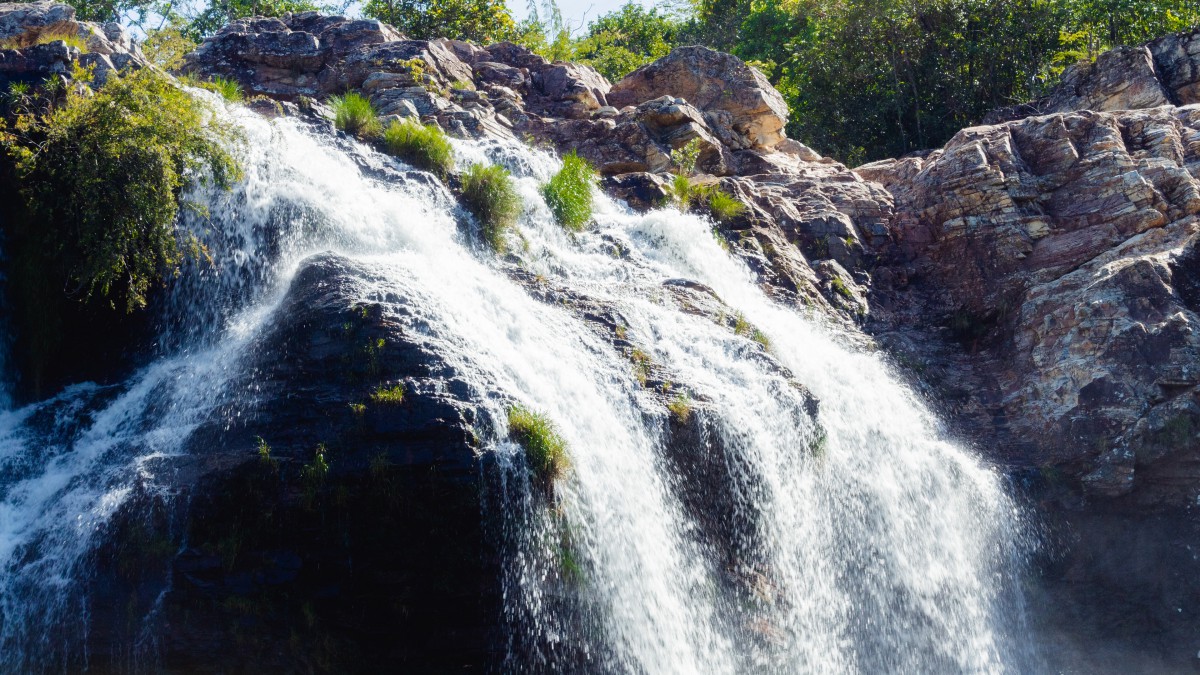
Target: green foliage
[
  {"x": 723, "y": 206},
  {"x": 761, "y": 338},
  {"x": 264, "y": 452},
  {"x": 230, "y": 90},
  {"x": 354, "y": 114},
  {"x": 545, "y": 449},
  {"x": 841, "y": 288},
  {"x": 740, "y": 325},
  {"x": 483, "y": 21},
  {"x": 866, "y": 79},
  {"x": 217, "y": 14},
  {"x": 489, "y": 193},
  {"x": 622, "y": 41},
  {"x": 423, "y": 145},
  {"x": 103, "y": 175},
  {"x": 393, "y": 395},
  {"x": 681, "y": 407},
  {"x": 641, "y": 365},
  {"x": 569, "y": 192},
  {"x": 166, "y": 46},
  {"x": 681, "y": 191},
  {"x": 685, "y": 158}
]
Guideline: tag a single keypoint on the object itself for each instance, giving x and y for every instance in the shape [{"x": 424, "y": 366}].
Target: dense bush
[
  {"x": 569, "y": 192},
  {"x": 423, "y": 145},
  {"x": 92, "y": 185},
  {"x": 479, "y": 20},
  {"x": 489, "y": 193}
]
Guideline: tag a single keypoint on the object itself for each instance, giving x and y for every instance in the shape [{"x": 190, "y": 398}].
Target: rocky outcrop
[
  {"x": 1059, "y": 245},
  {"x": 1163, "y": 72},
  {"x": 739, "y": 103},
  {"x": 30, "y": 31}
]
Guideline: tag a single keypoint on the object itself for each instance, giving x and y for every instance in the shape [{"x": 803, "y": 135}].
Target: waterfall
[{"x": 809, "y": 517}]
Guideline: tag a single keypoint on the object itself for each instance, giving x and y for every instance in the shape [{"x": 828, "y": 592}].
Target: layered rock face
[
  {"x": 29, "y": 30},
  {"x": 1038, "y": 276}
]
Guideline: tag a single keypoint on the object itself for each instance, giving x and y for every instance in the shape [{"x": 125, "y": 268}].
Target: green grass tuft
[
  {"x": 569, "y": 192},
  {"x": 423, "y": 145},
  {"x": 393, "y": 395},
  {"x": 724, "y": 207},
  {"x": 489, "y": 193},
  {"x": 354, "y": 114},
  {"x": 229, "y": 90},
  {"x": 680, "y": 190},
  {"x": 545, "y": 449},
  {"x": 681, "y": 407}
]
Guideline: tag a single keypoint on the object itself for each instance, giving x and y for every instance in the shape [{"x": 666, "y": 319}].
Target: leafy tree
[
  {"x": 479, "y": 20},
  {"x": 621, "y": 41},
  {"x": 220, "y": 12}
]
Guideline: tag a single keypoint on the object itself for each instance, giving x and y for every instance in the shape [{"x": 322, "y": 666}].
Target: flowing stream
[{"x": 764, "y": 535}]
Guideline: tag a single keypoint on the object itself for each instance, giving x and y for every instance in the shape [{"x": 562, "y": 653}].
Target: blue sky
[{"x": 577, "y": 13}]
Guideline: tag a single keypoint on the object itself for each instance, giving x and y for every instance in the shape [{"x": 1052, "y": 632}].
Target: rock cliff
[{"x": 1039, "y": 277}]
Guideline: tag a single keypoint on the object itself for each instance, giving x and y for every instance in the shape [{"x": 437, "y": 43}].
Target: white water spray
[{"x": 856, "y": 541}]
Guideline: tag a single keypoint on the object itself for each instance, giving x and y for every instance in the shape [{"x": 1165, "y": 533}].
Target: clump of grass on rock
[
  {"x": 545, "y": 449},
  {"x": 569, "y": 192},
  {"x": 229, "y": 90},
  {"x": 354, "y": 114},
  {"x": 489, "y": 193},
  {"x": 423, "y": 145}
]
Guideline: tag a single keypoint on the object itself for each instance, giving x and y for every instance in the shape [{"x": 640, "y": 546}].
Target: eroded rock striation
[{"x": 1039, "y": 276}]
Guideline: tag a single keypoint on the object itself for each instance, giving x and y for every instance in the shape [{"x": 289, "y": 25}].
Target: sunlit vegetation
[
  {"x": 488, "y": 192},
  {"x": 569, "y": 192},
  {"x": 545, "y": 449},
  {"x": 354, "y": 114},
  {"x": 424, "y": 146}
]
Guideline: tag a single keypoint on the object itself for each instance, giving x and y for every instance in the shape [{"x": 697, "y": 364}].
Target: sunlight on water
[{"x": 848, "y": 536}]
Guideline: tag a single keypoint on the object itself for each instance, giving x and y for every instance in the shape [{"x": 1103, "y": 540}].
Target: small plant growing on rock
[
  {"x": 354, "y": 114},
  {"x": 681, "y": 407},
  {"x": 569, "y": 192},
  {"x": 423, "y": 145},
  {"x": 840, "y": 288},
  {"x": 229, "y": 90},
  {"x": 681, "y": 191},
  {"x": 740, "y": 325},
  {"x": 761, "y": 338},
  {"x": 393, "y": 395},
  {"x": 685, "y": 158},
  {"x": 358, "y": 409},
  {"x": 545, "y": 449},
  {"x": 723, "y": 206},
  {"x": 489, "y": 193},
  {"x": 264, "y": 452},
  {"x": 641, "y": 365}
]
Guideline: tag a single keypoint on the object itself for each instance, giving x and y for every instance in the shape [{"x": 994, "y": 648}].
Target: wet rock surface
[{"x": 1038, "y": 278}]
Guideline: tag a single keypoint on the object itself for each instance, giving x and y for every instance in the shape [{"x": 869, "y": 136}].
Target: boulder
[
  {"x": 744, "y": 107},
  {"x": 29, "y": 19}
]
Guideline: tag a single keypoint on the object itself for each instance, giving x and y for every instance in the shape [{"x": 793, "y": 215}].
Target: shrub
[
  {"x": 569, "y": 192},
  {"x": 685, "y": 158},
  {"x": 489, "y": 193},
  {"x": 354, "y": 114},
  {"x": 422, "y": 145},
  {"x": 393, "y": 395},
  {"x": 229, "y": 90},
  {"x": 264, "y": 452},
  {"x": 545, "y": 449},
  {"x": 103, "y": 176}
]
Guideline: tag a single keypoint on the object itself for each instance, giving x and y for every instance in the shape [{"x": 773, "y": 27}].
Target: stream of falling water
[{"x": 853, "y": 540}]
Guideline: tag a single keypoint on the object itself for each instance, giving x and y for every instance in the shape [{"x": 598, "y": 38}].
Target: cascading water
[{"x": 852, "y": 540}]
